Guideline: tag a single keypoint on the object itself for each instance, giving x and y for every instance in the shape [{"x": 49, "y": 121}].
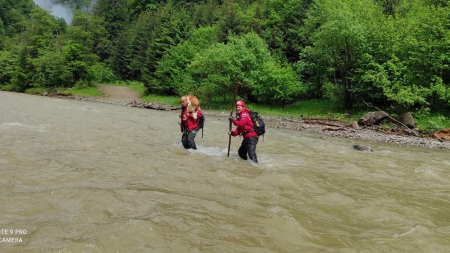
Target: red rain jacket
[
  {"x": 190, "y": 123},
  {"x": 244, "y": 125}
]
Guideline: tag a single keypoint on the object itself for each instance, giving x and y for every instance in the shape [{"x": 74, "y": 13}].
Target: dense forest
[{"x": 394, "y": 53}]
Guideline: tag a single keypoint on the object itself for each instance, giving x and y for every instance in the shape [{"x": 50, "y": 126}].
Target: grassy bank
[{"x": 317, "y": 108}]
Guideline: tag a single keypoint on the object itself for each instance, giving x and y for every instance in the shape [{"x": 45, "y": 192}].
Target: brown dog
[{"x": 192, "y": 105}]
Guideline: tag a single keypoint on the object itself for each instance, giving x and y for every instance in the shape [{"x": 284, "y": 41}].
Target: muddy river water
[{"x": 79, "y": 176}]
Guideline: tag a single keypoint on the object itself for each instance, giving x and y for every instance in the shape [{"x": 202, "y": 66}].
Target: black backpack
[
  {"x": 201, "y": 122},
  {"x": 258, "y": 123}
]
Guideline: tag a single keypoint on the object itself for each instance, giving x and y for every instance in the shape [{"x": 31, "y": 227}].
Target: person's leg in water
[
  {"x": 248, "y": 146},
  {"x": 251, "y": 148},
  {"x": 188, "y": 139},
  {"x": 191, "y": 139},
  {"x": 243, "y": 150},
  {"x": 184, "y": 140}
]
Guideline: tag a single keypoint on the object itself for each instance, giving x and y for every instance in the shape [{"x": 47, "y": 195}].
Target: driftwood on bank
[
  {"x": 329, "y": 124},
  {"x": 407, "y": 129},
  {"x": 321, "y": 121},
  {"x": 330, "y": 128},
  {"x": 153, "y": 106}
]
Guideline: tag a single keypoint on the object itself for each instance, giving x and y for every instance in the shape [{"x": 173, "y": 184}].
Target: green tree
[
  {"x": 231, "y": 22},
  {"x": 425, "y": 43},
  {"x": 282, "y": 27},
  {"x": 205, "y": 14},
  {"x": 2, "y": 35},
  {"x": 389, "y": 6},
  {"x": 171, "y": 74},
  {"x": 12, "y": 76},
  {"x": 134, "y": 45},
  {"x": 114, "y": 15},
  {"x": 173, "y": 27},
  {"x": 340, "y": 36},
  {"x": 247, "y": 60},
  {"x": 12, "y": 13}
]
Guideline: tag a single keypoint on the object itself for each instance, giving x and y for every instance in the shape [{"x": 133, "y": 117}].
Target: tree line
[{"x": 391, "y": 53}]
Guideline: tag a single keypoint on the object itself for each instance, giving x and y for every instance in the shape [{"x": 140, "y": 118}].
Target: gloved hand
[{"x": 231, "y": 119}]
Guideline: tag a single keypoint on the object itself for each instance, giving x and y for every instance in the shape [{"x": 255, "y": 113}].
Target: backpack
[
  {"x": 258, "y": 123},
  {"x": 201, "y": 122}
]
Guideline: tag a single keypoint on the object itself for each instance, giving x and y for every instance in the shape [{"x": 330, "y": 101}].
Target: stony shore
[{"x": 333, "y": 128}]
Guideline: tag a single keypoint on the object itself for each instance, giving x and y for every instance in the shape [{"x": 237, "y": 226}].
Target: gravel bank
[{"x": 297, "y": 124}]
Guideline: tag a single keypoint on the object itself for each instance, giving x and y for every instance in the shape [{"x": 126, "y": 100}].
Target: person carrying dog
[
  {"x": 244, "y": 127},
  {"x": 190, "y": 124}
]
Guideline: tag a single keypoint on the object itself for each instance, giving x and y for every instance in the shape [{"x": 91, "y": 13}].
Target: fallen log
[
  {"x": 153, "y": 106},
  {"x": 317, "y": 122},
  {"x": 407, "y": 128},
  {"x": 322, "y": 119},
  {"x": 330, "y": 128}
]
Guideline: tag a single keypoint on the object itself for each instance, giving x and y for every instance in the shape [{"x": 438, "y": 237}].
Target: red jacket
[
  {"x": 244, "y": 125},
  {"x": 190, "y": 123}
]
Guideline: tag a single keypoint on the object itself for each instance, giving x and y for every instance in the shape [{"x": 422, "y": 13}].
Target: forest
[{"x": 390, "y": 53}]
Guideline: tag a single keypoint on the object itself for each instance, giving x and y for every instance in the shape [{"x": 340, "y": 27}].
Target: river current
[{"x": 79, "y": 176}]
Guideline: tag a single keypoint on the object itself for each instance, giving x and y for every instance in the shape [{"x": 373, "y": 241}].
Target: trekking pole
[{"x": 231, "y": 115}]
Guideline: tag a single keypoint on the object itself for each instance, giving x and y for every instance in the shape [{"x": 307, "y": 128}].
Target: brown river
[{"x": 79, "y": 176}]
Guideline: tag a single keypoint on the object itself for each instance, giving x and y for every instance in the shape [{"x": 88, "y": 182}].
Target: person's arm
[
  {"x": 242, "y": 120},
  {"x": 234, "y": 133}
]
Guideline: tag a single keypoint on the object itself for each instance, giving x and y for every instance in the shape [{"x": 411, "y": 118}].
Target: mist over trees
[{"x": 387, "y": 52}]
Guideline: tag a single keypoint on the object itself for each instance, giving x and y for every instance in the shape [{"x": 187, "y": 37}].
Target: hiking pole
[{"x": 231, "y": 115}]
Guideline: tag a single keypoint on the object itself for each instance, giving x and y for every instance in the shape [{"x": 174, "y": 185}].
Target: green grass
[
  {"x": 35, "y": 91},
  {"x": 312, "y": 108},
  {"x": 169, "y": 100},
  {"x": 88, "y": 92},
  {"x": 433, "y": 122}
]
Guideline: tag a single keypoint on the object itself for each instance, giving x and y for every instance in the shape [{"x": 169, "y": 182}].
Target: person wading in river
[
  {"x": 244, "y": 127},
  {"x": 189, "y": 125}
]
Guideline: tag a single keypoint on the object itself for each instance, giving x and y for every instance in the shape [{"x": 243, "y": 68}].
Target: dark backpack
[
  {"x": 258, "y": 123},
  {"x": 201, "y": 122}
]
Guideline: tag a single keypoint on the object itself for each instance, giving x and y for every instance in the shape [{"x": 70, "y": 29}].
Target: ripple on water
[
  {"x": 411, "y": 231},
  {"x": 88, "y": 109},
  {"x": 17, "y": 125}
]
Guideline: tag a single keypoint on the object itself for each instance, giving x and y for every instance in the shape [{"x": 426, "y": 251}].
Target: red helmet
[{"x": 240, "y": 103}]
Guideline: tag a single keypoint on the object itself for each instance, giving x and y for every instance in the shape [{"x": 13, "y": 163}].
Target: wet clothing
[
  {"x": 188, "y": 139},
  {"x": 189, "y": 128},
  {"x": 244, "y": 127},
  {"x": 190, "y": 123},
  {"x": 248, "y": 146}
]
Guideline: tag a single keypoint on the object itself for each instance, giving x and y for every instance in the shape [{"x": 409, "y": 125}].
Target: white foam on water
[
  {"x": 396, "y": 235},
  {"x": 264, "y": 160},
  {"x": 15, "y": 125},
  {"x": 425, "y": 171},
  {"x": 88, "y": 109},
  {"x": 209, "y": 151}
]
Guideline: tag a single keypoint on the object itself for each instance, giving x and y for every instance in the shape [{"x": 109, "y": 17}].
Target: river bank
[{"x": 334, "y": 129}]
